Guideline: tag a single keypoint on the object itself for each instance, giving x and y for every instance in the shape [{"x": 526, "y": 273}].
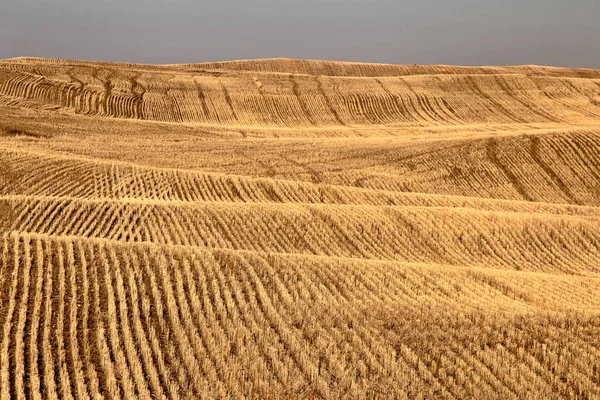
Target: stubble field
[{"x": 298, "y": 229}]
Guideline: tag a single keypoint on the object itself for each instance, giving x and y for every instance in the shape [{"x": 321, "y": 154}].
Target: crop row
[
  {"x": 91, "y": 318},
  {"x": 300, "y": 100},
  {"x": 434, "y": 235}
]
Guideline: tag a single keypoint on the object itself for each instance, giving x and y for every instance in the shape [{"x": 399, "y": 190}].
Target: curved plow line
[
  {"x": 5, "y": 374},
  {"x": 206, "y": 338},
  {"x": 161, "y": 352},
  {"x": 320, "y": 293},
  {"x": 192, "y": 365},
  {"x": 308, "y": 368},
  {"x": 238, "y": 309},
  {"x": 91, "y": 376},
  {"x": 148, "y": 360},
  {"x": 131, "y": 345},
  {"x": 48, "y": 349},
  {"x": 115, "y": 346},
  {"x": 19, "y": 366},
  {"x": 228, "y": 369},
  {"x": 281, "y": 366},
  {"x": 34, "y": 353}
]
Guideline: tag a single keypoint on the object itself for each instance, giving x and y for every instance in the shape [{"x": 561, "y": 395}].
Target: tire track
[
  {"x": 534, "y": 109},
  {"x": 328, "y": 101},
  {"x": 107, "y": 84},
  {"x": 229, "y": 101},
  {"x": 138, "y": 91},
  {"x": 303, "y": 106},
  {"x": 534, "y": 151},
  {"x": 202, "y": 98},
  {"x": 477, "y": 89},
  {"x": 491, "y": 149}
]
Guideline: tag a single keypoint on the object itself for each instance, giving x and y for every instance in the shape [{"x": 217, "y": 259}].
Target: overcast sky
[{"x": 460, "y": 32}]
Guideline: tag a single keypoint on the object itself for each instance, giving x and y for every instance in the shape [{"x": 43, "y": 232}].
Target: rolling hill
[{"x": 298, "y": 229}]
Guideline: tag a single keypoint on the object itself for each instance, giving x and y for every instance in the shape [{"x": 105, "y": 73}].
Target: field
[{"x": 278, "y": 229}]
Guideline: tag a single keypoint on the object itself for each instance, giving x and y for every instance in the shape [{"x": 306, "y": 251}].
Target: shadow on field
[
  {"x": 9, "y": 182},
  {"x": 20, "y": 131},
  {"x": 6, "y": 216}
]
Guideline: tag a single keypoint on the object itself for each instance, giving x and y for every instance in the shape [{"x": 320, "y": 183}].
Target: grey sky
[{"x": 462, "y": 32}]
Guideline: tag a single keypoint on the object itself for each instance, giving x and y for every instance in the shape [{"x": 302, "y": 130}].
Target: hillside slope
[
  {"x": 272, "y": 95},
  {"x": 298, "y": 229}
]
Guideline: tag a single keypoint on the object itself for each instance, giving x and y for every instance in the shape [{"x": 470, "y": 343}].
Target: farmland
[{"x": 298, "y": 229}]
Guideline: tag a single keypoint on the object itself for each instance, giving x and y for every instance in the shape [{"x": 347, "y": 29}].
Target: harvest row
[
  {"x": 534, "y": 171},
  {"x": 88, "y": 318},
  {"x": 229, "y": 98},
  {"x": 533, "y": 242}
]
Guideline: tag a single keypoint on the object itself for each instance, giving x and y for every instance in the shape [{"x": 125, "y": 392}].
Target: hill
[{"x": 298, "y": 229}]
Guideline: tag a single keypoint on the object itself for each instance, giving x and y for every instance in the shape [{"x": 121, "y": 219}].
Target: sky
[{"x": 457, "y": 32}]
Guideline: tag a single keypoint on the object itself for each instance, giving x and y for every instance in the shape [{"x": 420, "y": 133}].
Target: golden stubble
[{"x": 298, "y": 229}]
